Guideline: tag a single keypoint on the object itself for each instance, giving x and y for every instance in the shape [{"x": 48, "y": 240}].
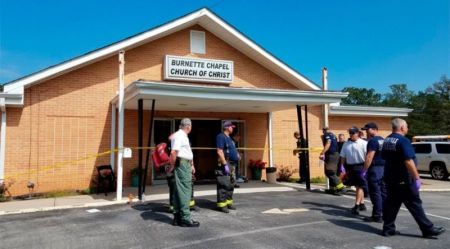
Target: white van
[{"x": 433, "y": 158}]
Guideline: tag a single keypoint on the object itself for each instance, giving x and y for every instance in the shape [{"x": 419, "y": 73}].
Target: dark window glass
[
  {"x": 422, "y": 148},
  {"x": 443, "y": 148}
]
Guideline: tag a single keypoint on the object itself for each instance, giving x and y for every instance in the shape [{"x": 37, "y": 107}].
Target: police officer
[
  {"x": 228, "y": 158},
  {"x": 374, "y": 168},
  {"x": 330, "y": 155},
  {"x": 403, "y": 182},
  {"x": 181, "y": 159}
]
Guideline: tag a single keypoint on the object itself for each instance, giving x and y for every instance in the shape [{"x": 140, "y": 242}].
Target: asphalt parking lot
[{"x": 292, "y": 219}]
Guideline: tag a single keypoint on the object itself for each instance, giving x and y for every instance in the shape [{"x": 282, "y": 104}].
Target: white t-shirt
[
  {"x": 180, "y": 143},
  {"x": 354, "y": 152}
]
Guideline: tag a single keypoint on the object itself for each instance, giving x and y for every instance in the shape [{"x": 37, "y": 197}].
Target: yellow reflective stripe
[
  {"x": 340, "y": 186},
  {"x": 221, "y": 204},
  {"x": 192, "y": 203},
  {"x": 229, "y": 202}
]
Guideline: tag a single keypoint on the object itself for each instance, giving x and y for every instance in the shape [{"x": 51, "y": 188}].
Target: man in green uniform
[{"x": 181, "y": 159}]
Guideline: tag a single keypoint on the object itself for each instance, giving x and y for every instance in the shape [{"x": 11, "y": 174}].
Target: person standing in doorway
[
  {"x": 403, "y": 182},
  {"x": 353, "y": 154},
  {"x": 181, "y": 157},
  {"x": 302, "y": 168},
  {"x": 228, "y": 158},
  {"x": 330, "y": 156},
  {"x": 374, "y": 166}
]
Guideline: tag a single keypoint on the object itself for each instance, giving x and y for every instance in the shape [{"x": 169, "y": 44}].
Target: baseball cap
[
  {"x": 228, "y": 123},
  {"x": 370, "y": 125},
  {"x": 353, "y": 129},
  {"x": 326, "y": 128}
]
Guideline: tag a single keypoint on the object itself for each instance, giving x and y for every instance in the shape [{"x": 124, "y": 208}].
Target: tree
[
  {"x": 399, "y": 96},
  {"x": 361, "y": 96},
  {"x": 431, "y": 110}
]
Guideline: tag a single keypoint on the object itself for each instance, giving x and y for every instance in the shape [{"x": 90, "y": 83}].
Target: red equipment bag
[{"x": 160, "y": 156}]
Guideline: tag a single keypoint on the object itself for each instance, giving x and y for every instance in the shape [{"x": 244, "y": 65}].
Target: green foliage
[
  {"x": 319, "y": 179},
  {"x": 399, "y": 96},
  {"x": 361, "y": 96},
  {"x": 431, "y": 107}
]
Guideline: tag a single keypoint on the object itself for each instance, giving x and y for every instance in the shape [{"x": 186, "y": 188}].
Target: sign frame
[{"x": 197, "y": 78}]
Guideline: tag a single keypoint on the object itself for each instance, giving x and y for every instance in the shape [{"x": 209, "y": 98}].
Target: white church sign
[{"x": 196, "y": 69}]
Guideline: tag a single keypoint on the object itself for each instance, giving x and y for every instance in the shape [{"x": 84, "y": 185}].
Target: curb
[{"x": 154, "y": 197}]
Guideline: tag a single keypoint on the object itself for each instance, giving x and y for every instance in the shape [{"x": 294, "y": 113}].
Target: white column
[
  {"x": 270, "y": 141},
  {"x": 326, "y": 106},
  {"x": 113, "y": 137},
  {"x": 2, "y": 139},
  {"x": 120, "y": 126},
  {"x": 325, "y": 88}
]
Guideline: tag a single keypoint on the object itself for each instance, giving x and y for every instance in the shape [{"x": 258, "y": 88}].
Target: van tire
[{"x": 438, "y": 171}]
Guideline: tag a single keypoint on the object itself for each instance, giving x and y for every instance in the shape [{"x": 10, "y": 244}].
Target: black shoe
[
  {"x": 362, "y": 207},
  {"x": 435, "y": 231},
  {"x": 194, "y": 208},
  {"x": 176, "y": 219},
  {"x": 354, "y": 210},
  {"x": 236, "y": 186},
  {"x": 373, "y": 219},
  {"x": 224, "y": 210},
  {"x": 389, "y": 233},
  {"x": 191, "y": 223},
  {"x": 231, "y": 207},
  {"x": 330, "y": 191}
]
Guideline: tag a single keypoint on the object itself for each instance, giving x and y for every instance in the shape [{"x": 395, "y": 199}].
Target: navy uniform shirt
[
  {"x": 376, "y": 144},
  {"x": 328, "y": 136},
  {"x": 226, "y": 144},
  {"x": 397, "y": 149}
]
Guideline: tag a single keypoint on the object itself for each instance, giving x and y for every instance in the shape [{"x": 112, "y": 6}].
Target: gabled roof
[{"x": 203, "y": 17}]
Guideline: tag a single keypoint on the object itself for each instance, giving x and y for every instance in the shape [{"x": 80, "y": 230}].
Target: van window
[
  {"x": 422, "y": 148},
  {"x": 443, "y": 148}
]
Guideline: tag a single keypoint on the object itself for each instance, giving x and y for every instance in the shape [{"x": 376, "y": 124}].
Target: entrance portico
[{"x": 185, "y": 98}]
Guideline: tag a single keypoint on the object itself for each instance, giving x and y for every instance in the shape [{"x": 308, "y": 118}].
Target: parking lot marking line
[{"x": 238, "y": 234}]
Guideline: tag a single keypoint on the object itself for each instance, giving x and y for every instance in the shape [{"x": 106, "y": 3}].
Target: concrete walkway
[
  {"x": 156, "y": 192},
  {"x": 160, "y": 192}
]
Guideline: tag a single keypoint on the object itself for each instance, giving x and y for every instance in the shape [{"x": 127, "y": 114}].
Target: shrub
[{"x": 285, "y": 172}]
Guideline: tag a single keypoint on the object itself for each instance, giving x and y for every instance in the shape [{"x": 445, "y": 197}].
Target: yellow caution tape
[{"x": 108, "y": 152}]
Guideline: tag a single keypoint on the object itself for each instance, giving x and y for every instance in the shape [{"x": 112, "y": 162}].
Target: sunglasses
[{"x": 352, "y": 133}]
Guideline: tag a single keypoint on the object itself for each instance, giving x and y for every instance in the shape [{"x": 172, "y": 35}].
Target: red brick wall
[{"x": 69, "y": 117}]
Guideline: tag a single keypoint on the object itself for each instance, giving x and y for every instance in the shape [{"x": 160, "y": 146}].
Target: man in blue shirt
[
  {"x": 403, "y": 182},
  {"x": 226, "y": 171},
  {"x": 374, "y": 167},
  {"x": 330, "y": 155}
]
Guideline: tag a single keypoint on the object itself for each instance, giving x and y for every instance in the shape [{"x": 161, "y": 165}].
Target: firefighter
[{"x": 228, "y": 158}]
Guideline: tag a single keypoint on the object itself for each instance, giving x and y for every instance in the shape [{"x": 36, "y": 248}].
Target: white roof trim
[
  {"x": 204, "y": 17},
  {"x": 173, "y": 96},
  {"x": 376, "y": 111}
]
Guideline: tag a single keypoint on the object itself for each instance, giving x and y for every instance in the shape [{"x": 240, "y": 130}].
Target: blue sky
[{"x": 363, "y": 43}]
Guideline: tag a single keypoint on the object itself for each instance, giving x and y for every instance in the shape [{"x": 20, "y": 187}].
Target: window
[
  {"x": 198, "y": 42},
  {"x": 443, "y": 148},
  {"x": 422, "y": 148}
]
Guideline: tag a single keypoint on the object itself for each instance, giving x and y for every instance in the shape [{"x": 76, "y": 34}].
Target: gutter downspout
[
  {"x": 120, "y": 126},
  {"x": 2, "y": 140}
]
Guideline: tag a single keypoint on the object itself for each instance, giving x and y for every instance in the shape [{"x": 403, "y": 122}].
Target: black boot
[
  {"x": 176, "y": 219},
  {"x": 191, "y": 223}
]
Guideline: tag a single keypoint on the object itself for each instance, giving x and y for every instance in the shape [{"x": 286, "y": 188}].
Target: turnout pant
[
  {"x": 408, "y": 194},
  {"x": 377, "y": 189},
  {"x": 331, "y": 163},
  {"x": 183, "y": 188},
  {"x": 172, "y": 186},
  {"x": 225, "y": 187}
]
